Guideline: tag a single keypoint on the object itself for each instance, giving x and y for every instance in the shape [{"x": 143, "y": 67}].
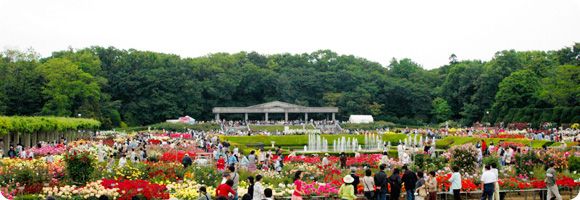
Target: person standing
[
  {"x": 268, "y": 194},
  {"x": 258, "y": 189},
  {"x": 395, "y": 182},
  {"x": 221, "y": 164},
  {"x": 551, "y": 183},
  {"x": 488, "y": 183},
  {"x": 484, "y": 147},
  {"x": 346, "y": 190},
  {"x": 384, "y": 158},
  {"x": 236, "y": 179},
  {"x": 325, "y": 161},
  {"x": 225, "y": 189},
  {"x": 431, "y": 186},
  {"x": 410, "y": 180},
  {"x": 186, "y": 161},
  {"x": 11, "y": 152},
  {"x": 456, "y": 183},
  {"x": 232, "y": 160},
  {"x": 252, "y": 161},
  {"x": 496, "y": 184},
  {"x": 203, "y": 194},
  {"x": 369, "y": 185},
  {"x": 122, "y": 161},
  {"x": 251, "y": 185},
  {"x": 421, "y": 188},
  {"x": 342, "y": 160},
  {"x": 381, "y": 182},
  {"x": 355, "y": 177}
]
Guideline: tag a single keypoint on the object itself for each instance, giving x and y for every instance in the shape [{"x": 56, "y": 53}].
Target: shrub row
[{"x": 17, "y": 124}]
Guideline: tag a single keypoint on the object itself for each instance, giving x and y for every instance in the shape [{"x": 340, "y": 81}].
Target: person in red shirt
[
  {"x": 225, "y": 189},
  {"x": 298, "y": 186},
  {"x": 483, "y": 147},
  {"x": 221, "y": 164}
]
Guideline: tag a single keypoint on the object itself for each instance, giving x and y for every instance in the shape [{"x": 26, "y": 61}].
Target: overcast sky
[{"x": 425, "y": 31}]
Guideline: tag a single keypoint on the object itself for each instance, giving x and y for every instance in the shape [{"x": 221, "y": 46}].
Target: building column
[
  {"x": 286, "y": 116},
  {"x": 217, "y": 116},
  {"x": 26, "y": 138},
  {"x": 17, "y": 138},
  {"x": 34, "y": 139},
  {"x": 333, "y": 117},
  {"x": 266, "y": 116},
  {"x": 246, "y": 116},
  {"x": 306, "y": 117},
  {"x": 6, "y": 140}
]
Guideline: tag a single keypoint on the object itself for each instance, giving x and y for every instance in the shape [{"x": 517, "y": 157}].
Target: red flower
[{"x": 130, "y": 188}]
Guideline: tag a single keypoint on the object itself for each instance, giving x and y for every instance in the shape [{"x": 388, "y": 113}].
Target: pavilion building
[{"x": 274, "y": 107}]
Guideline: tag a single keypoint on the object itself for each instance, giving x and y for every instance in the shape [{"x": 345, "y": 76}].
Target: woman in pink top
[{"x": 298, "y": 192}]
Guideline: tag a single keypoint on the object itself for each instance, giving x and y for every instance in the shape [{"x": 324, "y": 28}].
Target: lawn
[
  {"x": 246, "y": 143},
  {"x": 274, "y": 128},
  {"x": 457, "y": 140}
]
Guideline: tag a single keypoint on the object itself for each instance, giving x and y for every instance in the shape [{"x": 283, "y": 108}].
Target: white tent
[{"x": 361, "y": 119}]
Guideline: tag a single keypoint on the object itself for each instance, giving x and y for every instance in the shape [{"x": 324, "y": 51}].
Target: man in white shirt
[
  {"x": 325, "y": 160},
  {"x": 258, "y": 189},
  {"x": 122, "y": 161},
  {"x": 488, "y": 179},
  {"x": 456, "y": 183}
]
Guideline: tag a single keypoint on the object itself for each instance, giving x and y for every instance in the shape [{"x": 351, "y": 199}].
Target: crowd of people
[{"x": 383, "y": 183}]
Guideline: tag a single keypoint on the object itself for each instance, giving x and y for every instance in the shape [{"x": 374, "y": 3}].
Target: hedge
[{"x": 18, "y": 124}]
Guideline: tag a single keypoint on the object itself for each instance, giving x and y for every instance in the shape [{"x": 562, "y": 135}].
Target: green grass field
[{"x": 247, "y": 143}]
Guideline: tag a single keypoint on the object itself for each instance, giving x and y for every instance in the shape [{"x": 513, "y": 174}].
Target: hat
[
  {"x": 352, "y": 169},
  {"x": 326, "y": 154},
  {"x": 348, "y": 179}
]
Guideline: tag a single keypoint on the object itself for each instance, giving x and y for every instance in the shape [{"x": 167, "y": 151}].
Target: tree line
[{"x": 131, "y": 87}]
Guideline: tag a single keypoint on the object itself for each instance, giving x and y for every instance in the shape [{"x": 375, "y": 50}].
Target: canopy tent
[{"x": 361, "y": 119}]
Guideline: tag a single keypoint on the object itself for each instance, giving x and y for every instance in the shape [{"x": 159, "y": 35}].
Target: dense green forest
[{"x": 134, "y": 87}]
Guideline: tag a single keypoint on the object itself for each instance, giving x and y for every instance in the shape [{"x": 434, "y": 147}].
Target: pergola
[{"x": 274, "y": 107}]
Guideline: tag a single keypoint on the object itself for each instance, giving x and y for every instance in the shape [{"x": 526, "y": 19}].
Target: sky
[{"x": 426, "y": 31}]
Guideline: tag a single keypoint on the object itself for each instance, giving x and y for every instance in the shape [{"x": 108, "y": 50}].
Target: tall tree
[
  {"x": 69, "y": 90},
  {"x": 519, "y": 90},
  {"x": 441, "y": 110}
]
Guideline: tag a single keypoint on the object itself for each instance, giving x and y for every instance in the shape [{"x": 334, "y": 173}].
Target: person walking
[
  {"x": 346, "y": 190},
  {"x": 381, "y": 182},
  {"x": 551, "y": 183},
  {"x": 410, "y": 181},
  {"x": 395, "y": 182},
  {"x": 431, "y": 186},
  {"x": 298, "y": 190},
  {"x": 369, "y": 185},
  {"x": 488, "y": 183},
  {"x": 455, "y": 183}
]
